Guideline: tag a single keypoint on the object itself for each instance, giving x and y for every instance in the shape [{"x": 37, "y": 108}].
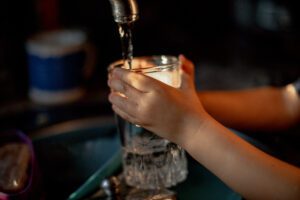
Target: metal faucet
[{"x": 124, "y": 11}]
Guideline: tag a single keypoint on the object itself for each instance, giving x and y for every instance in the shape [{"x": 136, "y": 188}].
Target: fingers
[
  {"x": 124, "y": 107},
  {"x": 133, "y": 79},
  {"x": 119, "y": 86},
  {"x": 186, "y": 82},
  {"x": 187, "y": 65},
  {"x": 187, "y": 77},
  {"x": 122, "y": 114}
]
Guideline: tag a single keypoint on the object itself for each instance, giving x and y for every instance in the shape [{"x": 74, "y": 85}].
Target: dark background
[
  {"x": 261, "y": 34},
  {"x": 234, "y": 44}
]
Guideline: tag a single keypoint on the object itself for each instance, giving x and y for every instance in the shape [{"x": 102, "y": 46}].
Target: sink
[
  {"x": 74, "y": 156},
  {"x": 70, "y": 152}
]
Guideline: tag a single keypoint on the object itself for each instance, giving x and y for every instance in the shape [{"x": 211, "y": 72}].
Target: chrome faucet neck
[{"x": 124, "y": 11}]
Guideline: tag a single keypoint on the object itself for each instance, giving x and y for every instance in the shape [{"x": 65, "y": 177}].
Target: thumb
[
  {"x": 187, "y": 65},
  {"x": 186, "y": 81}
]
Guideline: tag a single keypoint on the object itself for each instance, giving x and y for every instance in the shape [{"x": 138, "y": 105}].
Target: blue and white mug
[{"x": 58, "y": 63}]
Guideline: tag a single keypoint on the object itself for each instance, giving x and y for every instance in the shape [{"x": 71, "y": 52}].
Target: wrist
[{"x": 192, "y": 127}]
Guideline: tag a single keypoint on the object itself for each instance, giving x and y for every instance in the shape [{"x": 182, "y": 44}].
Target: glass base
[
  {"x": 162, "y": 168},
  {"x": 160, "y": 194}
]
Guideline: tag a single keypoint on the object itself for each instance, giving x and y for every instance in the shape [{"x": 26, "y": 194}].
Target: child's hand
[{"x": 167, "y": 111}]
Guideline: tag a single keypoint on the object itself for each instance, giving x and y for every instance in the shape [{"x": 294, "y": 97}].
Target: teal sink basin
[
  {"x": 70, "y": 152},
  {"x": 75, "y": 156}
]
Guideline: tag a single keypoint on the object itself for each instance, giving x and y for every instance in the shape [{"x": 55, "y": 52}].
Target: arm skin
[
  {"x": 244, "y": 168},
  {"x": 260, "y": 109},
  {"x": 153, "y": 105}
]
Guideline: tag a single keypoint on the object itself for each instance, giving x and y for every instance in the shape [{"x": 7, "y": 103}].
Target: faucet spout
[{"x": 124, "y": 11}]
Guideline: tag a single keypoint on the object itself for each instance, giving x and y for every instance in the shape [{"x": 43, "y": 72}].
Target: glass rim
[{"x": 173, "y": 61}]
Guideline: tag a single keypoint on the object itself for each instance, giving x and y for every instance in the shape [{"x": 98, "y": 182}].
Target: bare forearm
[
  {"x": 263, "y": 109},
  {"x": 247, "y": 170}
]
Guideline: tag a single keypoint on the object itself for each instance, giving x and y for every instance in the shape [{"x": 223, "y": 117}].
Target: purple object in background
[{"x": 28, "y": 192}]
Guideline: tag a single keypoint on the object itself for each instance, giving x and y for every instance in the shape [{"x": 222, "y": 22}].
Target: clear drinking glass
[{"x": 149, "y": 161}]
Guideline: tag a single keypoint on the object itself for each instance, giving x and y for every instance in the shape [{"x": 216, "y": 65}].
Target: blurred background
[{"x": 234, "y": 43}]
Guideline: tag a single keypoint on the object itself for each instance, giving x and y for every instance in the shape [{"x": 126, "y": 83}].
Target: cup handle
[{"x": 90, "y": 60}]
